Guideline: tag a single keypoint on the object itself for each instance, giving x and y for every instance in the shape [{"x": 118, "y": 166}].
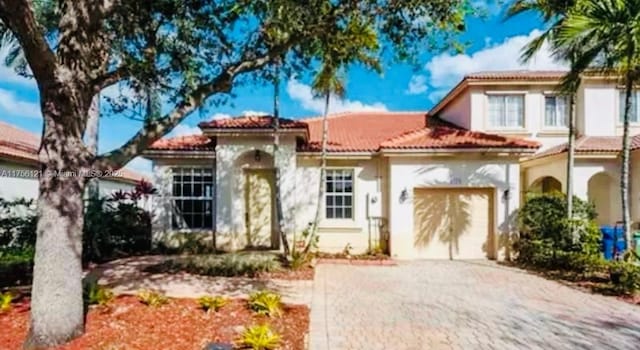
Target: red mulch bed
[
  {"x": 179, "y": 325},
  {"x": 303, "y": 273}
]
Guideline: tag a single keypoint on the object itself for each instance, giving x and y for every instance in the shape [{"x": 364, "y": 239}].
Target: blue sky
[{"x": 493, "y": 45}]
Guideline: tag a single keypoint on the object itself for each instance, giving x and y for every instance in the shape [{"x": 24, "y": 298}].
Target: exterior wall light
[{"x": 404, "y": 195}]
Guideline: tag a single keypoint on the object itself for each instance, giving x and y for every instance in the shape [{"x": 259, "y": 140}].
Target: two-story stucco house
[
  {"x": 443, "y": 184},
  {"x": 524, "y": 104}
]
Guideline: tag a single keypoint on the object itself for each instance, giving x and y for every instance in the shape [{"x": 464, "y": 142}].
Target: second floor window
[
  {"x": 506, "y": 111},
  {"x": 634, "y": 114},
  {"x": 339, "y": 194},
  {"x": 556, "y": 111},
  {"x": 192, "y": 198}
]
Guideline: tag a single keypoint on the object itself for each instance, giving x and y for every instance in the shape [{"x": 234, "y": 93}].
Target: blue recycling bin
[{"x": 612, "y": 241}]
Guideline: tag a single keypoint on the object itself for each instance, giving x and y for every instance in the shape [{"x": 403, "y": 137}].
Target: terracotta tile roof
[
  {"x": 252, "y": 122},
  {"x": 18, "y": 143},
  {"x": 184, "y": 143},
  {"x": 22, "y": 145},
  {"x": 361, "y": 131},
  {"x": 447, "y": 137},
  {"x": 592, "y": 144}
]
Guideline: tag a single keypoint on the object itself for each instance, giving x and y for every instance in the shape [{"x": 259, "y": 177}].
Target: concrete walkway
[
  {"x": 127, "y": 276},
  {"x": 461, "y": 305}
]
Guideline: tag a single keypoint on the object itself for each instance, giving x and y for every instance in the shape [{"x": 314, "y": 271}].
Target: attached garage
[{"x": 454, "y": 223}]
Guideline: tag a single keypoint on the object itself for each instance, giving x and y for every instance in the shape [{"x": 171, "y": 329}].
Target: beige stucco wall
[
  {"x": 408, "y": 173},
  {"x": 635, "y": 188},
  {"x": 361, "y": 233}
]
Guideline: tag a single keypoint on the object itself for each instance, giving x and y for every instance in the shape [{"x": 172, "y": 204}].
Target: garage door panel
[{"x": 452, "y": 223}]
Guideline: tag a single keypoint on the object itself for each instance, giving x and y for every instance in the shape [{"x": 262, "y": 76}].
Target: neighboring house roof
[
  {"x": 185, "y": 143},
  {"x": 517, "y": 75},
  {"x": 366, "y": 131},
  {"x": 591, "y": 145},
  {"x": 22, "y": 146},
  {"x": 252, "y": 122}
]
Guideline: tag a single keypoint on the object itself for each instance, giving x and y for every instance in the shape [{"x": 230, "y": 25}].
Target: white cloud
[
  {"x": 184, "y": 130},
  {"x": 13, "y": 105},
  {"x": 220, "y": 116},
  {"x": 252, "y": 113},
  {"x": 302, "y": 93},
  {"x": 445, "y": 70},
  {"x": 417, "y": 85}
]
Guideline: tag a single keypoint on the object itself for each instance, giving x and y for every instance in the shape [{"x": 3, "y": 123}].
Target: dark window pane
[
  {"x": 208, "y": 190},
  {"x": 197, "y": 190},
  {"x": 329, "y": 213},
  {"x": 339, "y": 201},
  {"x": 339, "y": 213},
  {"x": 347, "y": 201},
  {"x": 208, "y": 179},
  {"x": 347, "y": 213},
  {"x": 187, "y": 178},
  {"x": 197, "y": 221},
  {"x": 198, "y": 206},
  {"x": 329, "y": 187},
  {"x": 208, "y": 221},
  {"x": 330, "y": 201},
  {"x": 339, "y": 187},
  {"x": 348, "y": 187},
  {"x": 186, "y": 190},
  {"x": 188, "y": 206}
]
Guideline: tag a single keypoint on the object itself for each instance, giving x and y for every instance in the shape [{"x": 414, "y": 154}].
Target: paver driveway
[{"x": 461, "y": 305}]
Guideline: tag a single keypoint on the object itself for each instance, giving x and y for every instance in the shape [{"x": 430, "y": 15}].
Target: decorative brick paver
[{"x": 461, "y": 305}]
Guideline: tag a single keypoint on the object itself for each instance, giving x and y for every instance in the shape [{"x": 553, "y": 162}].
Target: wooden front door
[{"x": 260, "y": 218}]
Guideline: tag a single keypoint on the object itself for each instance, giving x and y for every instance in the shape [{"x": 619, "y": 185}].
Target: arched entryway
[
  {"x": 547, "y": 184},
  {"x": 604, "y": 193}
]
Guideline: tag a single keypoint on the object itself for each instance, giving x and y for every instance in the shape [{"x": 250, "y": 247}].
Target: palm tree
[
  {"x": 276, "y": 154},
  {"x": 605, "y": 36},
  {"x": 553, "y": 13}
]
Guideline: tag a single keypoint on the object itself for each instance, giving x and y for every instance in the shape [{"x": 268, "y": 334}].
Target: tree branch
[
  {"x": 155, "y": 130},
  {"x": 110, "y": 78},
  {"x": 18, "y": 15}
]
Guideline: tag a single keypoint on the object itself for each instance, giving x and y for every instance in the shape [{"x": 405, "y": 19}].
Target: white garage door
[{"x": 453, "y": 223}]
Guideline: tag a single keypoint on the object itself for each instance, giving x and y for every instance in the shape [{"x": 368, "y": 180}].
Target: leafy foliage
[
  {"x": 5, "y": 301},
  {"x": 116, "y": 227},
  {"x": 625, "y": 276},
  {"x": 260, "y": 337},
  {"x": 227, "y": 265},
  {"x": 215, "y": 303},
  {"x": 96, "y": 294},
  {"x": 266, "y": 303},
  {"x": 152, "y": 298},
  {"x": 17, "y": 223},
  {"x": 16, "y": 266}
]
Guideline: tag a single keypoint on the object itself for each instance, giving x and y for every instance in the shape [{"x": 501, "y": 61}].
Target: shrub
[
  {"x": 115, "y": 227},
  {"x": 96, "y": 294},
  {"x": 625, "y": 276},
  {"x": 152, "y": 298},
  {"x": 260, "y": 338},
  {"x": 226, "y": 265},
  {"x": 17, "y": 223},
  {"x": 16, "y": 266},
  {"x": 546, "y": 238},
  {"x": 266, "y": 303},
  {"x": 215, "y": 303},
  {"x": 5, "y": 301}
]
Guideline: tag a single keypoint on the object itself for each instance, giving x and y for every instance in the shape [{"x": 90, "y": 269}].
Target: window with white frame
[
  {"x": 634, "y": 113},
  {"x": 339, "y": 194},
  {"x": 192, "y": 198},
  {"x": 556, "y": 111},
  {"x": 506, "y": 111}
]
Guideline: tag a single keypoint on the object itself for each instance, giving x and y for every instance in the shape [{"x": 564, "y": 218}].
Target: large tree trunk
[
  {"x": 57, "y": 314},
  {"x": 276, "y": 158},
  {"x": 624, "y": 172}
]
